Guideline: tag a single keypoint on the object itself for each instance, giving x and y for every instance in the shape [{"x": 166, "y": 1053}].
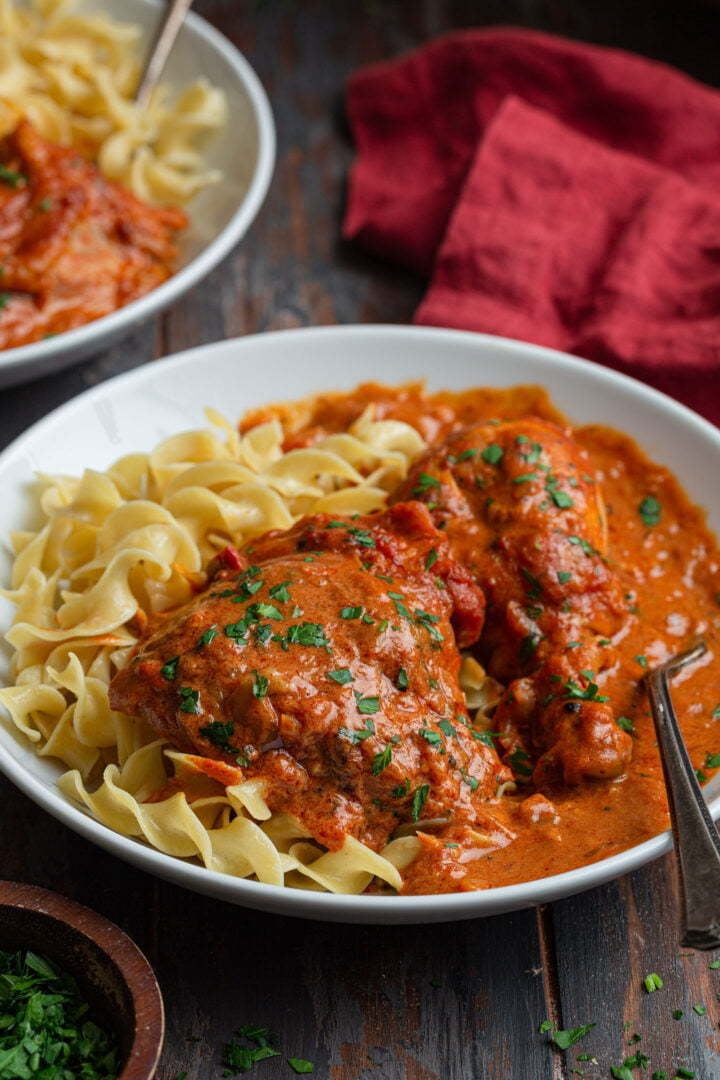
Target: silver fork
[{"x": 697, "y": 842}]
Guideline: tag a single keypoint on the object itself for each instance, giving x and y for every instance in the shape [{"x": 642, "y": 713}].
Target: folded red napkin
[{"x": 557, "y": 192}]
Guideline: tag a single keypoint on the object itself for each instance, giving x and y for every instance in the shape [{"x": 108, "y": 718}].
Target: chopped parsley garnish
[
  {"x": 46, "y": 1028},
  {"x": 518, "y": 762},
  {"x": 642, "y": 660},
  {"x": 397, "y": 599},
  {"x": 301, "y": 1065},
  {"x": 11, "y": 178},
  {"x": 401, "y": 681},
  {"x": 574, "y": 692},
  {"x": 650, "y": 511},
  {"x": 715, "y": 714},
  {"x": 280, "y": 592},
  {"x": 584, "y": 546},
  {"x": 431, "y": 736},
  {"x": 260, "y": 685},
  {"x": 259, "y": 611},
  {"x": 169, "y": 669},
  {"x": 308, "y": 633},
  {"x": 535, "y": 587},
  {"x": 472, "y": 782},
  {"x": 237, "y": 630},
  {"x": 447, "y": 728},
  {"x": 382, "y": 626},
  {"x": 563, "y": 1040},
  {"x": 240, "y": 1058},
  {"x": 465, "y": 455},
  {"x": 351, "y": 612},
  {"x": 5, "y": 298},
  {"x": 219, "y": 734},
  {"x": 361, "y": 537},
  {"x": 189, "y": 700},
  {"x": 561, "y": 498},
  {"x": 564, "y": 576},
  {"x": 425, "y": 483},
  {"x": 528, "y": 647},
  {"x": 526, "y": 478},
  {"x": 712, "y": 761},
  {"x": 700, "y": 776},
  {"x": 382, "y": 760},
  {"x": 492, "y": 454},
  {"x": 368, "y": 706},
  {"x": 356, "y": 737},
  {"x": 653, "y": 982},
  {"x": 207, "y": 637},
  {"x": 426, "y": 620},
  {"x": 342, "y": 676},
  {"x": 626, "y": 724},
  {"x": 432, "y": 558},
  {"x": 246, "y": 590},
  {"x": 401, "y": 790},
  {"x": 419, "y": 799}
]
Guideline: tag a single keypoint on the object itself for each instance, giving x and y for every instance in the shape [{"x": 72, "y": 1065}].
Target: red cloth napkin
[{"x": 557, "y": 192}]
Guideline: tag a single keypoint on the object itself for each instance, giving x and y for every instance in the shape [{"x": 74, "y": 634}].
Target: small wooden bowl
[{"x": 112, "y": 973}]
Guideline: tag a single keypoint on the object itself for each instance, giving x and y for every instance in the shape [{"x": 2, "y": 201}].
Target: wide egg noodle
[
  {"x": 74, "y": 76},
  {"x": 114, "y": 547}
]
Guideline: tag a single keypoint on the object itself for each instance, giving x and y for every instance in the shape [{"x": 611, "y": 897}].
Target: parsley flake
[
  {"x": 342, "y": 676},
  {"x": 650, "y": 511},
  {"x": 382, "y": 760},
  {"x": 169, "y": 669},
  {"x": 419, "y": 799},
  {"x": 492, "y": 454},
  {"x": 189, "y": 700}
]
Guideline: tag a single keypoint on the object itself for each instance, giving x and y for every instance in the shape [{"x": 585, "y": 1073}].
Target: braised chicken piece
[
  {"x": 523, "y": 516},
  {"x": 73, "y": 245},
  {"x": 323, "y": 660}
]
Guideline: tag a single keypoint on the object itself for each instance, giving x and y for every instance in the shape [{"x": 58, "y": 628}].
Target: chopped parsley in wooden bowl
[{"x": 77, "y": 997}]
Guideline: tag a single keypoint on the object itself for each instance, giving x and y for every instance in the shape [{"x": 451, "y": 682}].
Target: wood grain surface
[{"x": 448, "y": 1002}]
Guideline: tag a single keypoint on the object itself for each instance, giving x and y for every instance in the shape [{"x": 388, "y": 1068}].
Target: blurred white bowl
[{"x": 219, "y": 216}]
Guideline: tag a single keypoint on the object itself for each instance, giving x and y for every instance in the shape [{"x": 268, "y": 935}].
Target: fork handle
[
  {"x": 697, "y": 842},
  {"x": 172, "y": 20}
]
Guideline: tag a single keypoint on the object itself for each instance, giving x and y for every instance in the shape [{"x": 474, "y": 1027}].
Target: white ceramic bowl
[
  {"x": 219, "y": 216},
  {"x": 135, "y": 410}
]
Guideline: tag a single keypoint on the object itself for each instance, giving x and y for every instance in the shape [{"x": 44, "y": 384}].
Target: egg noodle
[
  {"x": 73, "y": 75},
  {"x": 119, "y": 545}
]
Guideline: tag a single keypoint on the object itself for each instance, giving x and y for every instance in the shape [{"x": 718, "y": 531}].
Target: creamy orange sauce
[
  {"x": 73, "y": 245},
  {"x": 670, "y": 577}
]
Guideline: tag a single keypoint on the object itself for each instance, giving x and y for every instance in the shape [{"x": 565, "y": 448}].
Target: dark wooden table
[{"x": 448, "y": 1002}]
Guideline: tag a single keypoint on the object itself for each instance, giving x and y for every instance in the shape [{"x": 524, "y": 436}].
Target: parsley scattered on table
[
  {"x": 45, "y": 1025},
  {"x": 300, "y": 1065},
  {"x": 563, "y": 1040},
  {"x": 653, "y": 982},
  {"x": 250, "y": 1045}
]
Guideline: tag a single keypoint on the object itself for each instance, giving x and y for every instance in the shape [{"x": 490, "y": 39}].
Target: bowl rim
[
  {"x": 280, "y": 899},
  {"x": 134, "y": 967},
  {"x": 82, "y": 339}
]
